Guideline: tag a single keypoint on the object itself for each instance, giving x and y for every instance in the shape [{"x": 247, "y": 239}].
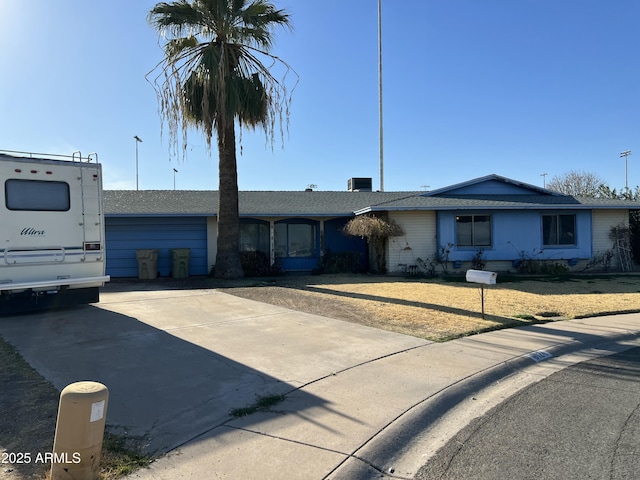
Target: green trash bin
[
  {"x": 147, "y": 263},
  {"x": 180, "y": 262}
]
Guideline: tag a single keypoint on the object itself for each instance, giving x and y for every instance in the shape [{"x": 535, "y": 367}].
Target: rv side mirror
[{"x": 481, "y": 276}]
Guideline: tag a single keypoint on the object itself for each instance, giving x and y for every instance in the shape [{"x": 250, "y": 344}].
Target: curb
[{"x": 406, "y": 443}]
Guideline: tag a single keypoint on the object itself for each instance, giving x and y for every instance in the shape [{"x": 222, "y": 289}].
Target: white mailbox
[{"x": 481, "y": 276}]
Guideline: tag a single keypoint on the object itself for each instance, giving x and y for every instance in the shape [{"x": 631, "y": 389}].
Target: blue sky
[{"x": 471, "y": 87}]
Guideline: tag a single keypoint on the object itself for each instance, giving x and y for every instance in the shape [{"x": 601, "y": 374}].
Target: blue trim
[{"x": 300, "y": 263}]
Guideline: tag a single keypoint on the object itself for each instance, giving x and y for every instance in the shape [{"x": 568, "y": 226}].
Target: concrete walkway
[{"x": 359, "y": 402}]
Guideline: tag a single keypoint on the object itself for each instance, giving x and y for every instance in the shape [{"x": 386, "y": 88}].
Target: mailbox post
[{"x": 483, "y": 278}]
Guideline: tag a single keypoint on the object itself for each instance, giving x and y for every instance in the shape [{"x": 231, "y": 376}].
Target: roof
[
  {"x": 491, "y": 192},
  {"x": 252, "y": 203},
  {"x": 490, "y": 179},
  {"x": 159, "y": 202},
  {"x": 501, "y": 202}
]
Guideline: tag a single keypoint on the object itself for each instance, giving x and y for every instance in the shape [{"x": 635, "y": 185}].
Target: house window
[
  {"x": 558, "y": 230},
  {"x": 37, "y": 195},
  {"x": 295, "y": 240},
  {"x": 473, "y": 230},
  {"x": 254, "y": 237}
]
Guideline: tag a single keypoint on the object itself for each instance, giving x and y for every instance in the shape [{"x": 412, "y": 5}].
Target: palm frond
[
  {"x": 218, "y": 67},
  {"x": 175, "y": 46},
  {"x": 258, "y": 22},
  {"x": 176, "y": 18}
]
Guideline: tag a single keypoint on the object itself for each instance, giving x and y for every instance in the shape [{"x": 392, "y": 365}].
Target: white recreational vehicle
[{"x": 52, "y": 250}]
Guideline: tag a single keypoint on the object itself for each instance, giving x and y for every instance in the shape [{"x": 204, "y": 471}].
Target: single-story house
[
  {"x": 506, "y": 222},
  {"x": 502, "y": 220},
  {"x": 293, "y": 227}
]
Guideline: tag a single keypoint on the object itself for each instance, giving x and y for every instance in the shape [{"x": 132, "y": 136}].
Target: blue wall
[
  {"x": 491, "y": 187},
  {"x": 125, "y": 235},
  {"x": 336, "y": 241},
  {"x": 515, "y": 232}
]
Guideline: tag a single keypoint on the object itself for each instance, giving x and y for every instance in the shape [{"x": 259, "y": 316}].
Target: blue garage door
[{"x": 126, "y": 235}]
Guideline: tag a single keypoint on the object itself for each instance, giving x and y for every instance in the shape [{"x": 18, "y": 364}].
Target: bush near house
[
  {"x": 340, "y": 262},
  {"x": 376, "y": 229},
  {"x": 258, "y": 264}
]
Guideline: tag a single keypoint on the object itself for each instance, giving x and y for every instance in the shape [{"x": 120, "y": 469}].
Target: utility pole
[
  {"x": 544, "y": 179},
  {"x": 626, "y": 154},
  {"x": 138, "y": 140}
]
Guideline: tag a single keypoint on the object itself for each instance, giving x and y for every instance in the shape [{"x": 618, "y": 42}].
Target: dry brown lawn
[{"x": 445, "y": 308}]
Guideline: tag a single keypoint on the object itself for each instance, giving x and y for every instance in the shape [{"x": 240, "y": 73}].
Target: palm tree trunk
[{"x": 228, "y": 254}]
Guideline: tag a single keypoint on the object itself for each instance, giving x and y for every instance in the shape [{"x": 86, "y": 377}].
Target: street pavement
[
  {"x": 358, "y": 402},
  {"x": 581, "y": 422}
]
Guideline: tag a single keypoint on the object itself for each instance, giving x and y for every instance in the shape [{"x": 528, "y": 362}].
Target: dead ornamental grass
[{"x": 438, "y": 310}]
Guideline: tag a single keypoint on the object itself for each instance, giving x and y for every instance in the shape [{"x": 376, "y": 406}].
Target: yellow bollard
[{"x": 79, "y": 431}]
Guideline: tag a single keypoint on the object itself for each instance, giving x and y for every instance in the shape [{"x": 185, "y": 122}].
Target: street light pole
[
  {"x": 626, "y": 154},
  {"x": 380, "y": 94},
  {"x": 174, "y": 178},
  {"x": 138, "y": 140}
]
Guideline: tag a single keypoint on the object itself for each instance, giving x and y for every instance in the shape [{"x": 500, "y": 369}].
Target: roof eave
[
  {"x": 495, "y": 207},
  {"x": 298, "y": 214}
]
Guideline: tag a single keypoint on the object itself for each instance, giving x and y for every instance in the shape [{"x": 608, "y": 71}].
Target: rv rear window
[{"x": 36, "y": 195}]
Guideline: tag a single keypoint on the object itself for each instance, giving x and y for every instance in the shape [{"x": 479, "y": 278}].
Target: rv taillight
[{"x": 89, "y": 246}]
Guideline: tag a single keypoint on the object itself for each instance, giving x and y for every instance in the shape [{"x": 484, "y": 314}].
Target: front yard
[{"x": 448, "y": 307}]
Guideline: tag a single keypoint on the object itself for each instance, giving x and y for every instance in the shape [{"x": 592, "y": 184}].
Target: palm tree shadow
[{"x": 407, "y": 303}]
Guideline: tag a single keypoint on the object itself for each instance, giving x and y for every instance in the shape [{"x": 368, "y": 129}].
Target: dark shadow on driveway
[{"x": 161, "y": 388}]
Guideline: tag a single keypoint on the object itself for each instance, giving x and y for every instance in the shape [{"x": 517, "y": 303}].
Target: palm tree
[{"x": 218, "y": 70}]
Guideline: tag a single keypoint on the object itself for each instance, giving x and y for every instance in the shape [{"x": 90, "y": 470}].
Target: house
[
  {"x": 294, "y": 227},
  {"x": 502, "y": 220}
]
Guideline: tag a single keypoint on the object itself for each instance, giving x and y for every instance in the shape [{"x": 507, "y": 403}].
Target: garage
[{"x": 125, "y": 235}]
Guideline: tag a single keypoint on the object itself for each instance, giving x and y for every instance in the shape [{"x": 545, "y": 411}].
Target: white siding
[
  {"x": 418, "y": 241},
  {"x": 603, "y": 222}
]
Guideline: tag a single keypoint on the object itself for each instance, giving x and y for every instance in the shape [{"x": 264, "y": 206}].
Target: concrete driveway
[
  {"x": 177, "y": 361},
  {"x": 360, "y": 402}
]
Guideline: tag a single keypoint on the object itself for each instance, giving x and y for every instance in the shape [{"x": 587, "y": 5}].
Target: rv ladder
[{"x": 91, "y": 206}]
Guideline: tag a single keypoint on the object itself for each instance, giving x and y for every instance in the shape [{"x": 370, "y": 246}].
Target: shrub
[
  {"x": 530, "y": 266},
  {"x": 341, "y": 262},
  {"x": 477, "y": 262},
  {"x": 600, "y": 261},
  {"x": 376, "y": 230},
  {"x": 442, "y": 257},
  {"x": 257, "y": 264},
  {"x": 427, "y": 267}
]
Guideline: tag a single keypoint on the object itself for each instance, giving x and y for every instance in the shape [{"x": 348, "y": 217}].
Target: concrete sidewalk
[{"x": 358, "y": 401}]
